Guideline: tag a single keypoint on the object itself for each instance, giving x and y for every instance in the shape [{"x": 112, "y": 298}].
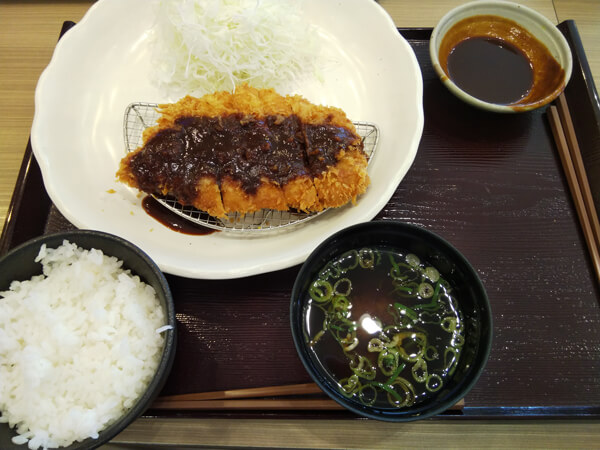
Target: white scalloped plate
[{"x": 102, "y": 65}]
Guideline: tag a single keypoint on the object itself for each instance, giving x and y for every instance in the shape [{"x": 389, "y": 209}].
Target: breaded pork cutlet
[{"x": 249, "y": 150}]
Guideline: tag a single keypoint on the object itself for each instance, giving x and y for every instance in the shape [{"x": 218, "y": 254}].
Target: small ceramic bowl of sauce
[{"x": 500, "y": 56}]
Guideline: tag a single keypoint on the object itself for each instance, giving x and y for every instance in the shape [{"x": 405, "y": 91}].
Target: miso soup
[{"x": 385, "y": 325}]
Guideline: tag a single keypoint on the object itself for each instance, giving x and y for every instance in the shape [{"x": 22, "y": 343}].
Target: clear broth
[{"x": 385, "y": 326}]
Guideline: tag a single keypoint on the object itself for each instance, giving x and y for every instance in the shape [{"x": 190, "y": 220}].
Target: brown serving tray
[{"x": 490, "y": 184}]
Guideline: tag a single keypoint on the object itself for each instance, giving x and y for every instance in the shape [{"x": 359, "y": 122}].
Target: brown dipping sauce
[
  {"x": 171, "y": 220},
  {"x": 476, "y": 64},
  {"x": 498, "y": 61}
]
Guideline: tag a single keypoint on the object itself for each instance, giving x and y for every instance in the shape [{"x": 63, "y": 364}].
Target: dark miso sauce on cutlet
[{"x": 245, "y": 149}]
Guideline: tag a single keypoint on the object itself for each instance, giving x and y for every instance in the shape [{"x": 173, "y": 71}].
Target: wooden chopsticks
[
  {"x": 255, "y": 399},
  {"x": 570, "y": 155},
  {"x": 269, "y": 391},
  {"x": 260, "y": 404},
  {"x": 250, "y": 398}
]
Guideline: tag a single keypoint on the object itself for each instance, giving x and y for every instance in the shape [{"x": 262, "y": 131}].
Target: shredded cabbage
[{"x": 203, "y": 46}]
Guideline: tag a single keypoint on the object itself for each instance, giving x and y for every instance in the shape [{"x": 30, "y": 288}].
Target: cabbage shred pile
[{"x": 203, "y": 46}]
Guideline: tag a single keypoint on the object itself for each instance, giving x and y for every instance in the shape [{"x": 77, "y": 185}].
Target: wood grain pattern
[
  {"x": 24, "y": 54},
  {"x": 340, "y": 434},
  {"x": 411, "y": 14},
  {"x": 586, "y": 13}
]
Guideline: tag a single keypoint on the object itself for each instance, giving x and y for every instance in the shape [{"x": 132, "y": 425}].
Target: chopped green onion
[
  {"x": 413, "y": 260},
  {"x": 320, "y": 291},
  {"x": 343, "y": 286},
  {"x": 437, "y": 380},
  {"x": 426, "y": 290},
  {"x": 366, "y": 258},
  {"x": 419, "y": 366},
  {"x": 404, "y": 310},
  {"x": 393, "y": 376},
  {"x": 432, "y": 273}
]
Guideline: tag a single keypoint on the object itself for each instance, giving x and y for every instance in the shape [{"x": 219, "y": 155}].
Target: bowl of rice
[{"x": 87, "y": 339}]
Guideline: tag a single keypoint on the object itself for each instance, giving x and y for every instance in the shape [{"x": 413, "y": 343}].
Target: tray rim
[{"x": 30, "y": 185}]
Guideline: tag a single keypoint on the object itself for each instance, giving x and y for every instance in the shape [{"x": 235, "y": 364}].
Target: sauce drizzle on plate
[{"x": 171, "y": 220}]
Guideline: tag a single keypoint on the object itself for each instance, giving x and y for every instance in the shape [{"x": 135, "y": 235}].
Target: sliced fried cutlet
[
  {"x": 246, "y": 181},
  {"x": 289, "y": 165},
  {"x": 272, "y": 157},
  {"x": 249, "y": 150},
  {"x": 157, "y": 168},
  {"x": 345, "y": 180},
  {"x": 334, "y": 152}
]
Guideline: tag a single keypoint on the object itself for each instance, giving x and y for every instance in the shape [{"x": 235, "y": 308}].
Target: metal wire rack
[{"x": 139, "y": 116}]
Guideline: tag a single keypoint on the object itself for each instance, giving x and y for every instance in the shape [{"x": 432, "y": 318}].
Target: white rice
[{"x": 78, "y": 346}]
